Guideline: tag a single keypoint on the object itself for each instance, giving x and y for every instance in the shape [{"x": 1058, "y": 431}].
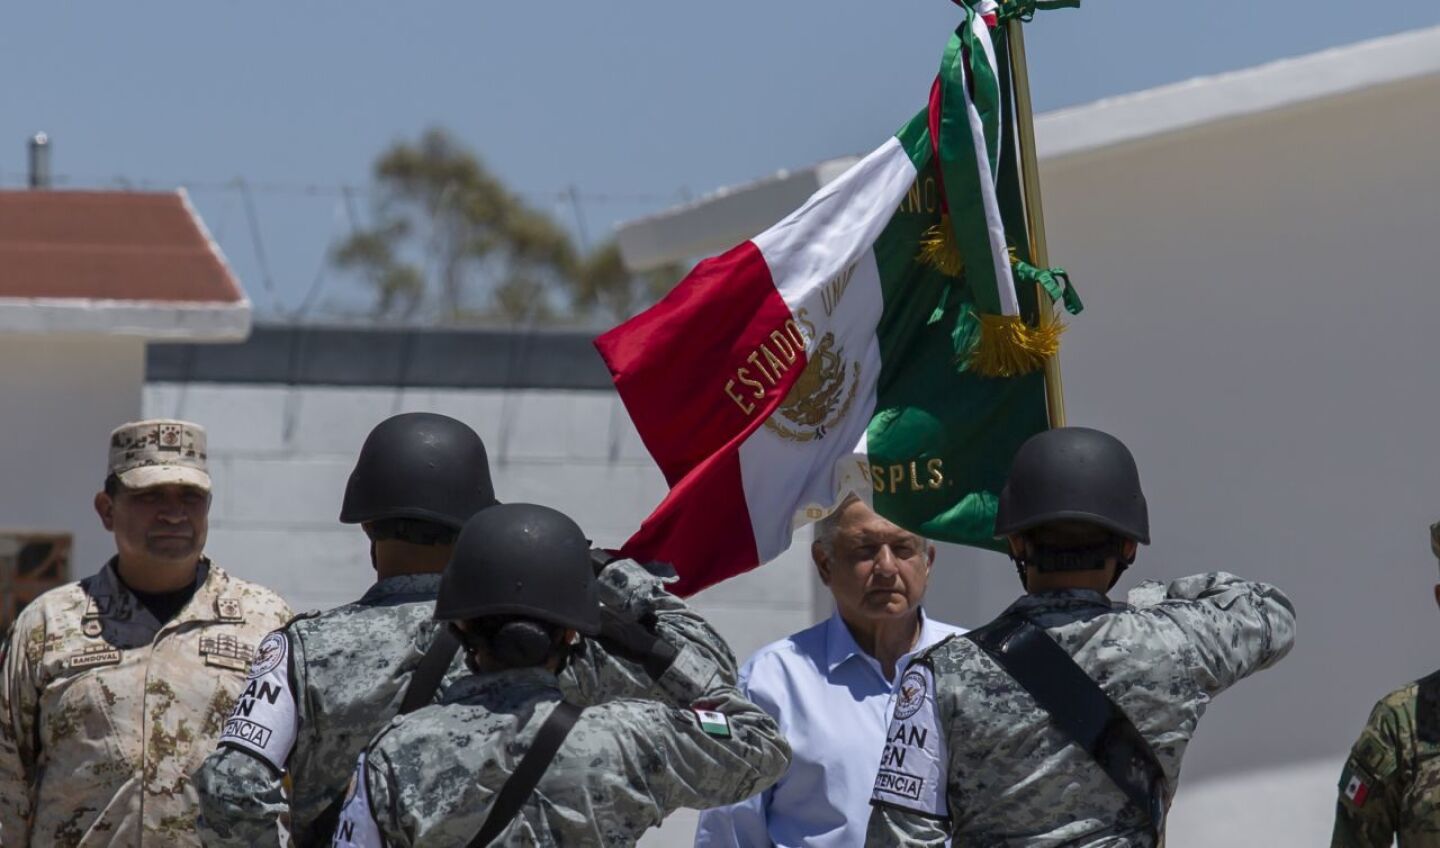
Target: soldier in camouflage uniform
[
  {"x": 971, "y": 756},
  {"x": 327, "y": 682},
  {"x": 1390, "y": 786},
  {"x": 114, "y": 687},
  {"x": 519, "y": 591}
]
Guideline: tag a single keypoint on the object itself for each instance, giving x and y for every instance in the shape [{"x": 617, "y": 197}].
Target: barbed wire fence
[{"x": 244, "y": 216}]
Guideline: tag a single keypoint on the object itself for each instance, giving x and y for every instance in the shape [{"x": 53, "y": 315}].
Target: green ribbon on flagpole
[{"x": 1055, "y": 281}]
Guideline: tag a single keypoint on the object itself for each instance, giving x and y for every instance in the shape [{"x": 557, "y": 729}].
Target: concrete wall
[{"x": 60, "y": 396}]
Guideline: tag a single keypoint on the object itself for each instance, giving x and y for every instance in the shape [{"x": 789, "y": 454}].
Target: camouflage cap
[{"x": 159, "y": 451}]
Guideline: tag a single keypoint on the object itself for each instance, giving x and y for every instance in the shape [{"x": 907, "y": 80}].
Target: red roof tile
[{"x": 110, "y": 246}]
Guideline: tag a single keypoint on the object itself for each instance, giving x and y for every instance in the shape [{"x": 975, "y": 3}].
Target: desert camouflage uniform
[
  {"x": 430, "y": 778},
  {"x": 349, "y": 670},
  {"x": 971, "y": 756},
  {"x": 105, "y": 712},
  {"x": 1391, "y": 784}
]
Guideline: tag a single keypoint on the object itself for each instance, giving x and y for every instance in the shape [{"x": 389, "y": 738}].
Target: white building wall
[{"x": 60, "y": 396}]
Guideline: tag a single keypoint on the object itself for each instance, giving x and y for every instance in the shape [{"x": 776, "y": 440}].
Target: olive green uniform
[{"x": 1390, "y": 787}]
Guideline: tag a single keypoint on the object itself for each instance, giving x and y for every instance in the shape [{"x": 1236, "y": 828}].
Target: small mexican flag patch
[
  {"x": 1353, "y": 786},
  {"x": 713, "y": 723}
]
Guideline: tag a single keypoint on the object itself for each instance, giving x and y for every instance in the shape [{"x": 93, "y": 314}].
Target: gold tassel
[
  {"x": 1008, "y": 347},
  {"x": 939, "y": 249}
]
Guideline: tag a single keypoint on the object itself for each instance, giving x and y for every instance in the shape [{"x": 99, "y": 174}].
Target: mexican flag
[
  {"x": 823, "y": 357},
  {"x": 1353, "y": 786}
]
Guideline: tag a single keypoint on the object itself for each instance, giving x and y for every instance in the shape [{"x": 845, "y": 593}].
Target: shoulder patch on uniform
[
  {"x": 1427, "y": 709},
  {"x": 1354, "y": 785},
  {"x": 714, "y": 723},
  {"x": 910, "y": 697},
  {"x": 264, "y": 721},
  {"x": 914, "y": 765},
  {"x": 356, "y": 827}
]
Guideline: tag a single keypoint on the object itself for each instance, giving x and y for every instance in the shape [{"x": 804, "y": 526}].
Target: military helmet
[
  {"x": 525, "y": 561},
  {"x": 421, "y": 466},
  {"x": 1074, "y": 474}
]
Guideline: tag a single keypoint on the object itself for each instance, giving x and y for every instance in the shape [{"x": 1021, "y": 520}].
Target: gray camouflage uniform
[
  {"x": 1005, "y": 776},
  {"x": 349, "y": 669},
  {"x": 430, "y": 778}
]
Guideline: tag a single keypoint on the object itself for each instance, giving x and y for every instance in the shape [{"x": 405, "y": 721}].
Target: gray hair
[{"x": 827, "y": 528}]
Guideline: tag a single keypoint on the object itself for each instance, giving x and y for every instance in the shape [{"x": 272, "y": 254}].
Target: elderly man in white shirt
[{"x": 830, "y": 686}]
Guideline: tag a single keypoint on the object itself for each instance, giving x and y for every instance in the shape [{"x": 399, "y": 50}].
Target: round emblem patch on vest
[
  {"x": 911, "y": 696},
  {"x": 269, "y": 655}
]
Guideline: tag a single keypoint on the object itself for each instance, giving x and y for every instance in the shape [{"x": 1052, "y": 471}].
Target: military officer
[
  {"x": 114, "y": 687},
  {"x": 507, "y": 758},
  {"x": 343, "y": 674},
  {"x": 1390, "y": 786},
  {"x": 1065, "y": 720}
]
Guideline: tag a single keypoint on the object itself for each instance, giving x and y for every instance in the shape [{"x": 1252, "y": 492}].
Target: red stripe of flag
[
  {"x": 702, "y": 527},
  {"x": 697, "y": 338}
]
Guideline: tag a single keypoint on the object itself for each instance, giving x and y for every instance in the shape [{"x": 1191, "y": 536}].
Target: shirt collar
[
  {"x": 390, "y": 588},
  {"x": 200, "y": 607},
  {"x": 841, "y": 646}
]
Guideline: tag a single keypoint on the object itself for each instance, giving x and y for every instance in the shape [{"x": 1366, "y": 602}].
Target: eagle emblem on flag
[{"x": 809, "y": 411}]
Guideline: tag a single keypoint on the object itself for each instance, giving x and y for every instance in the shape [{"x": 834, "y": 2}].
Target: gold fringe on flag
[
  {"x": 939, "y": 249},
  {"x": 1008, "y": 347}
]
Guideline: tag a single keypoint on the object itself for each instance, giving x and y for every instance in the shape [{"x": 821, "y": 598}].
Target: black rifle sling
[
  {"x": 527, "y": 774},
  {"x": 430, "y": 671},
  {"x": 1079, "y": 708},
  {"x": 424, "y": 683}
]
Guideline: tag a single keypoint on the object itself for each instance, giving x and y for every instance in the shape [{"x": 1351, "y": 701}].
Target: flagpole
[{"x": 1034, "y": 213}]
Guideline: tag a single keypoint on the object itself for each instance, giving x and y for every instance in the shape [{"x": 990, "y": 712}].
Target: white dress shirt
[{"x": 833, "y": 704}]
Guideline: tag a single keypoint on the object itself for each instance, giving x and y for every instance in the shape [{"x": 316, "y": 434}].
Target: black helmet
[
  {"x": 421, "y": 466},
  {"x": 1075, "y": 474},
  {"x": 521, "y": 560}
]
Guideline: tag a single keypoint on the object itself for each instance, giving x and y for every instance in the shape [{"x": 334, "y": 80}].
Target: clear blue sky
[{"x": 636, "y": 103}]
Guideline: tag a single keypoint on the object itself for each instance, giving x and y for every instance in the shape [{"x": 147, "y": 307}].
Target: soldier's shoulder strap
[
  {"x": 1080, "y": 709},
  {"x": 430, "y": 671},
  {"x": 527, "y": 774},
  {"x": 301, "y": 616}
]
